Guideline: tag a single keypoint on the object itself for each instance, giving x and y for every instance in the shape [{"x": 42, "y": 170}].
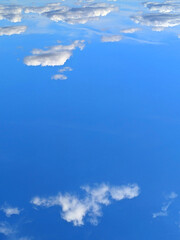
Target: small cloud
[
  {"x": 9, "y": 211},
  {"x": 11, "y": 30},
  {"x": 65, "y": 69},
  {"x": 112, "y": 38},
  {"x": 157, "y": 29},
  {"x": 75, "y": 209},
  {"x": 59, "y": 77},
  {"x": 130, "y": 30}
]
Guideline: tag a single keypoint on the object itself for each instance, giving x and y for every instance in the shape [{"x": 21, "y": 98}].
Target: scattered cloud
[
  {"x": 11, "y": 30},
  {"x": 112, "y": 38},
  {"x": 75, "y": 209},
  {"x": 54, "y": 56},
  {"x": 75, "y": 15},
  {"x": 11, "y": 232},
  {"x": 164, "y": 209}
]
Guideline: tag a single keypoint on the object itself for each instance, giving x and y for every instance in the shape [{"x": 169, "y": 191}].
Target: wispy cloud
[
  {"x": 164, "y": 209},
  {"x": 9, "y": 211},
  {"x": 6, "y": 229},
  {"x": 59, "y": 77},
  {"x": 65, "y": 69},
  {"x": 111, "y": 38},
  {"x": 75, "y": 209},
  {"x": 130, "y": 30}
]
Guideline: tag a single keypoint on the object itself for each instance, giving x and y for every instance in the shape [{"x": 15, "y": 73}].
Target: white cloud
[
  {"x": 11, "y": 30},
  {"x": 54, "y": 56},
  {"x": 166, "y": 205},
  {"x": 59, "y": 77},
  {"x": 12, "y": 13},
  {"x": 112, "y": 38},
  {"x": 130, "y": 30},
  {"x": 9, "y": 211},
  {"x": 75, "y": 209},
  {"x": 76, "y": 15}
]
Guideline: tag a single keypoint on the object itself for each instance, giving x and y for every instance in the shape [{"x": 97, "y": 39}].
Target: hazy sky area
[{"x": 90, "y": 120}]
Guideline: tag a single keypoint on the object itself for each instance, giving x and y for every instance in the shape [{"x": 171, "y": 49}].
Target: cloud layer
[{"x": 75, "y": 209}]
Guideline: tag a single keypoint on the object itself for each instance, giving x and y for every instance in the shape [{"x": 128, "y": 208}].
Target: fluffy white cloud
[
  {"x": 54, "y": 56},
  {"x": 11, "y": 30},
  {"x": 112, "y": 38},
  {"x": 166, "y": 205},
  {"x": 12, "y": 13},
  {"x": 76, "y": 15},
  {"x": 9, "y": 211},
  {"x": 75, "y": 209}
]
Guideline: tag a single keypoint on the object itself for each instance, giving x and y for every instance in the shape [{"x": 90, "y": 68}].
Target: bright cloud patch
[
  {"x": 12, "y": 13},
  {"x": 54, "y": 56},
  {"x": 12, "y": 30},
  {"x": 75, "y": 209},
  {"x": 112, "y": 38},
  {"x": 76, "y": 15}
]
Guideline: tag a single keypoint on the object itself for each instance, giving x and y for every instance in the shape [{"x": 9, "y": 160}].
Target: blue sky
[{"x": 90, "y": 120}]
